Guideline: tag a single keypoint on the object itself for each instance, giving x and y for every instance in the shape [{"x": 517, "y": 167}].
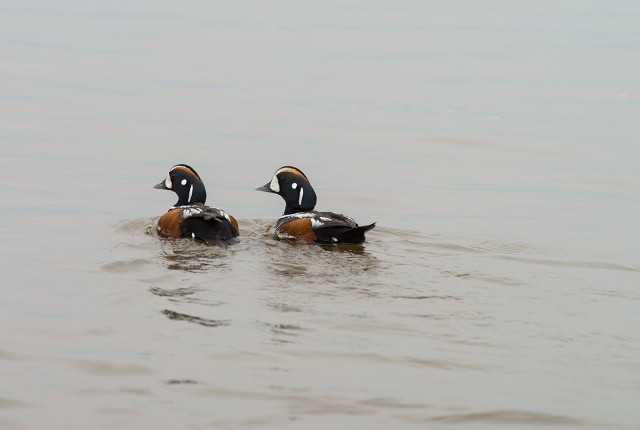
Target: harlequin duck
[
  {"x": 300, "y": 221},
  {"x": 189, "y": 217}
]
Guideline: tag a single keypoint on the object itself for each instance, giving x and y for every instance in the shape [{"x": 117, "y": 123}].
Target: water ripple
[
  {"x": 206, "y": 322},
  {"x": 509, "y": 417}
]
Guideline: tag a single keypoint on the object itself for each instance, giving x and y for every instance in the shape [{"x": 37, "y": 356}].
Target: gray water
[{"x": 495, "y": 143}]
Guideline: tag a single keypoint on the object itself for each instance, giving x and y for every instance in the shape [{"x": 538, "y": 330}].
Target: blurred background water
[{"x": 494, "y": 143}]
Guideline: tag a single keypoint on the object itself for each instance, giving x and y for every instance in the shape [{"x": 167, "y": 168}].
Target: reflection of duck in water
[
  {"x": 189, "y": 217},
  {"x": 300, "y": 221}
]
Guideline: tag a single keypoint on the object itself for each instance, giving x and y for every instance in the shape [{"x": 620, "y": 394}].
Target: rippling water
[{"x": 495, "y": 145}]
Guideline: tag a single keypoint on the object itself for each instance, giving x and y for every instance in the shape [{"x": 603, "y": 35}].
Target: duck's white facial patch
[
  {"x": 184, "y": 182},
  {"x": 294, "y": 185},
  {"x": 193, "y": 235},
  {"x": 275, "y": 185},
  {"x": 300, "y": 198},
  {"x": 167, "y": 182}
]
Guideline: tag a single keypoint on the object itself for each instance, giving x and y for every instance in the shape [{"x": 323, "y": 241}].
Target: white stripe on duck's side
[
  {"x": 306, "y": 215},
  {"x": 298, "y": 215},
  {"x": 190, "y": 211},
  {"x": 316, "y": 223}
]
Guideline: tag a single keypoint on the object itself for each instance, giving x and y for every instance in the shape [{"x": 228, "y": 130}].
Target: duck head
[
  {"x": 293, "y": 186},
  {"x": 186, "y": 183}
]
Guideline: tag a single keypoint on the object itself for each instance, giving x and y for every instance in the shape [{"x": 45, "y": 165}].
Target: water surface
[{"x": 495, "y": 144}]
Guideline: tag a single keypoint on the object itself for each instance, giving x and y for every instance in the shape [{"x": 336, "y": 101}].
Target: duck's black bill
[
  {"x": 266, "y": 188},
  {"x": 161, "y": 186}
]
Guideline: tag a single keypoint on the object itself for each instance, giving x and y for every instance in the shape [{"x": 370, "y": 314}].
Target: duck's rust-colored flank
[
  {"x": 300, "y": 229},
  {"x": 169, "y": 223}
]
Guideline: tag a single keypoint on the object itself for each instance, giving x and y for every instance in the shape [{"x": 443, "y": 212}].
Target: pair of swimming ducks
[{"x": 190, "y": 218}]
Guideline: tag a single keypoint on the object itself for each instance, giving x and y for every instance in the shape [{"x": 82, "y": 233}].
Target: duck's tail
[{"x": 356, "y": 234}]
